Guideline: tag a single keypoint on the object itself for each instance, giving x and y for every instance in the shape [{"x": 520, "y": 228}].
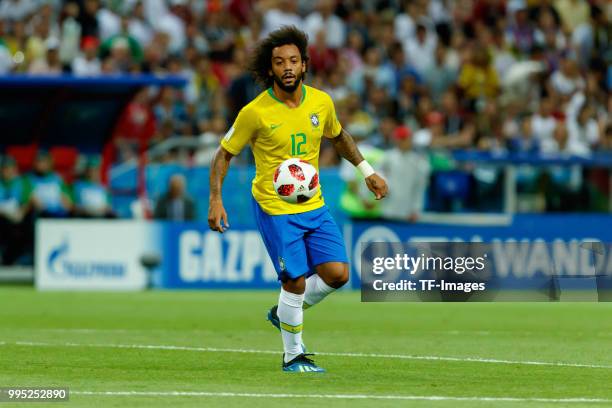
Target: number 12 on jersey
[{"x": 298, "y": 140}]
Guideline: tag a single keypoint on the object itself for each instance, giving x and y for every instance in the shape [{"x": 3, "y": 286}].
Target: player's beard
[{"x": 288, "y": 88}]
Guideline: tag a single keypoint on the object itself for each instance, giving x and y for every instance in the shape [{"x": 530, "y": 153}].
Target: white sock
[
  {"x": 316, "y": 290},
  {"x": 291, "y": 318}
]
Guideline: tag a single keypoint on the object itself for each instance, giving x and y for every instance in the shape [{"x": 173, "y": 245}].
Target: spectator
[
  {"x": 49, "y": 196},
  {"x": 400, "y": 68},
  {"x": 353, "y": 52},
  {"x": 440, "y": 75},
  {"x": 219, "y": 37},
  {"x": 433, "y": 134},
  {"x": 420, "y": 49},
  {"x": 172, "y": 109},
  {"x": 407, "y": 174},
  {"x": 583, "y": 130},
  {"x": 87, "y": 63},
  {"x": 88, "y": 18},
  {"x": 524, "y": 140},
  {"x": 175, "y": 204},
  {"x": 6, "y": 60},
  {"x": 593, "y": 37},
  {"x": 12, "y": 199},
  {"x": 521, "y": 33},
  {"x": 478, "y": 79},
  {"x": 325, "y": 20},
  {"x": 209, "y": 141},
  {"x": 91, "y": 197},
  {"x": 139, "y": 28},
  {"x": 134, "y": 130},
  {"x": 71, "y": 34},
  {"x": 405, "y": 22},
  {"x": 116, "y": 45},
  {"x": 543, "y": 122},
  {"x": 322, "y": 58},
  {"x": 573, "y": 13},
  {"x": 16, "y": 10},
  {"x": 50, "y": 64},
  {"x": 566, "y": 80},
  {"x": 561, "y": 184},
  {"x": 16, "y": 41},
  {"x": 336, "y": 86},
  {"x": 282, "y": 12}
]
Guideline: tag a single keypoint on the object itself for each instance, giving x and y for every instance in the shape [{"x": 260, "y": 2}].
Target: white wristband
[{"x": 365, "y": 169}]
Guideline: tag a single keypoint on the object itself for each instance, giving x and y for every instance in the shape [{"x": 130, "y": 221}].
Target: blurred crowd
[
  {"x": 419, "y": 77},
  {"x": 43, "y": 192},
  {"x": 515, "y": 75}
]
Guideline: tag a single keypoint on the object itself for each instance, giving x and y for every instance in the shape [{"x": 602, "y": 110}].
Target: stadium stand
[{"x": 507, "y": 97}]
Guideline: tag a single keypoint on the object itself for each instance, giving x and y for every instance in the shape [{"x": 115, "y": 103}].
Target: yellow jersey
[{"x": 276, "y": 133}]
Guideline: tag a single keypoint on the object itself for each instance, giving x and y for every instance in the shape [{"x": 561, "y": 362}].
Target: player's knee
[{"x": 339, "y": 276}]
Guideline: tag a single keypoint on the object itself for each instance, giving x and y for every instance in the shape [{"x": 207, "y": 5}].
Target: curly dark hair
[{"x": 261, "y": 62}]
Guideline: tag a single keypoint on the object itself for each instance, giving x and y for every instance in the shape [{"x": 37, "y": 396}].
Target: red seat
[
  {"x": 24, "y": 155},
  {"x": 64, "y": 161}
]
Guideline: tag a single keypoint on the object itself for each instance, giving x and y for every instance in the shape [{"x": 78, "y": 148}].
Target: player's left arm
[{"x": 346, "y": 147}]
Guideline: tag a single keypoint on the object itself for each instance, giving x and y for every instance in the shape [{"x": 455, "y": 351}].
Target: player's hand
[
  {"x": 216, "y": 214},
  {"x": 377, "y": 185}
]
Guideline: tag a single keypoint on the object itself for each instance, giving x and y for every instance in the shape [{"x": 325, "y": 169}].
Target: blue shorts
[{"x": 297, "y": 243}]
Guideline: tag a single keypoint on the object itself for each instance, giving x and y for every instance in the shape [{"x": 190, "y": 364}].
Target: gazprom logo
[{"x": 59, "y": 264}]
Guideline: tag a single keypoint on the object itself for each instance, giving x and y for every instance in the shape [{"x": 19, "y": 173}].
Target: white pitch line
[
  {"x": 335, "y": 396},
  {"x": 357, "y": 355}
]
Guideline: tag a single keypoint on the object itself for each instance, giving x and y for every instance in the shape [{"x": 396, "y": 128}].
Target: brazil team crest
[
  {"x": 281, "y": 263},
  {"x": 314, "y": 119}
]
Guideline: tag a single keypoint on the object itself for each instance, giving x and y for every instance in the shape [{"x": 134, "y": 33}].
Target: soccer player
[{"x": 288, "y": 120}]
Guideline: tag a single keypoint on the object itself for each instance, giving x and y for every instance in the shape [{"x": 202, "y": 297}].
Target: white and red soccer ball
[{"x": 296, "y": 181}]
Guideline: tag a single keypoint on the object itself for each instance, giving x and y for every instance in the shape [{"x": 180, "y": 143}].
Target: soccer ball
[{"x": 296, "y": 181}]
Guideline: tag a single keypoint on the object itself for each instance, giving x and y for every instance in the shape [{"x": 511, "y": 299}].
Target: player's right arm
[
  {"x": 218, "y": 170},
  {"x": 235, "y": 139}
]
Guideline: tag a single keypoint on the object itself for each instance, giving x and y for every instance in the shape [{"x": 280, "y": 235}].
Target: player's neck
[{"x": 291, "y": 99}]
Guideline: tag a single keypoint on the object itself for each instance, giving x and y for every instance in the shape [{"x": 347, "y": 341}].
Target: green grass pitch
[{"x": 70, "y": 339}]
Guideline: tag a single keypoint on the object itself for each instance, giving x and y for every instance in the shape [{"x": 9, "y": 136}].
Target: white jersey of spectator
[
  {"x": 407, "y": 175},
  {"x": 70, "y": 40},
  {"x": 574, "y": 105},
  {"x": 582, "y": 137},
  {"x": 141, "y": 31},
  {"x": 438, "y": 12},
  {"x": 172, "y": 25},
  {"x": 154, "y": 10},
  {"x": 421, "y": 54},
  {"x": 503, "y": 60},
  {"x": 543, "y": 127},
  {"x": 404, "y": 27},
  {"x": 564, "y": 85},
  {"x": 109, "y": 23},
  {"x": 332, "y": 25},
  {"x": 81, "y": 66},
  {"x": 16, "y": 10},
  {"x": 275, "y": 18}
]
